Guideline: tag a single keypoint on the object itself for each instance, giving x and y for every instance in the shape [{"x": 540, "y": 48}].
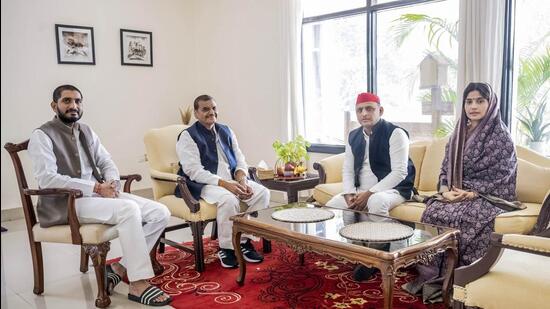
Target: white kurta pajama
[
  {"x": 385, "y": 197},
  {"x": 126, "y": 213},
  {"x": 227, "y": 203}
]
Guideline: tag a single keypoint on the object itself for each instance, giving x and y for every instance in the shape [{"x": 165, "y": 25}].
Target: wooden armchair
[
  {"x": 515, "y": 273},
  {"x": 94, "y": 239},
  {"x": 160, "y": 145}
]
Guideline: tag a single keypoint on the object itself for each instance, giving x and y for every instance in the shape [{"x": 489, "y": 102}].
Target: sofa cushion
[
  {"x": 179, "y": 209},
  {"x": 532, "y": 182},
  {"x": 333, "y": 167},
  {"x": 324, "y": 192},
  {"x": 409, "y": 211},
  {"x": 416, "y": 153},
  {"x": 507, "y": 283},
  {"x": 431, "y": 165},
  {"x": 519, "y": 221},
  {"x": 91, "y": 233}
]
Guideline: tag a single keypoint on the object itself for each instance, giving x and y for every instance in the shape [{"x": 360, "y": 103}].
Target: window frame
[{"x": 370, "y": 10}]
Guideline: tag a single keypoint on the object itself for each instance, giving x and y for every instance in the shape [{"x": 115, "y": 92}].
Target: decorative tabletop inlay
[
  {"x": 302, "y": 215},
  {"x": 376, "y": 231}
]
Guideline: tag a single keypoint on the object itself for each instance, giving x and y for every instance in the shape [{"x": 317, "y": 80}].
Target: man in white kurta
[
  {"x": 139, "y": 221},
  {"x": 377, "y": 173},
  {"x": 211, "y": 158}
]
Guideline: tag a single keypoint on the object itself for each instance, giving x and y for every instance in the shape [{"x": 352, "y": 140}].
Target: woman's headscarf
[{"x": 459, "y": 140}]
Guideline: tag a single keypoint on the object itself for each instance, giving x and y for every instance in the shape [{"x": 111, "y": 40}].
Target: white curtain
[
  {"x": 480, "y": 43},
  {"x": 292, "y": 75}
]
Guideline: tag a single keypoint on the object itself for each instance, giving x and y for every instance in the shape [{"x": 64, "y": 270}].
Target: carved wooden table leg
[
  {"x": 451, "y": 261},
  {"x": 98, "y": 254},
  {"x": 266, "y": 245},
  {"x": 388, "y": 281},
  {"x": 239, "y": 254},
  {"x": 301, "y": 259},
  {"x": 292, "y": 196}
]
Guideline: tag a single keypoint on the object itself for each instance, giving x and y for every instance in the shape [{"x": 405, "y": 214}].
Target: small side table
[{"x": 291, "y": 187}]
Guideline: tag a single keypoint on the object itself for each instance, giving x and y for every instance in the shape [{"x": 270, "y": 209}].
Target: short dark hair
[
  {"x": 57, "y": 92},
  {"x": 202, "y": 97}
]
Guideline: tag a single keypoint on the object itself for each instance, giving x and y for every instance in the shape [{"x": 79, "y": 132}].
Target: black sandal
[
  {"x": 149, "y": 295},
  {"x": 111, "y": 279}
]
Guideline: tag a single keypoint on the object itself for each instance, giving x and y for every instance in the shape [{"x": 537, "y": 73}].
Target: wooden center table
[
  {"x": 426, "y": 242},
  {"x": 291, "y": 187}
]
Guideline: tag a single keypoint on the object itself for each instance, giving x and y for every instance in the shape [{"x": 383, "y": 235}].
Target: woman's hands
[{"x": 458, "y": 195}]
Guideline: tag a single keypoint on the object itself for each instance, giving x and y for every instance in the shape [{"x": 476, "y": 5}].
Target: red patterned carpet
[{"x": 278, "y": 282}]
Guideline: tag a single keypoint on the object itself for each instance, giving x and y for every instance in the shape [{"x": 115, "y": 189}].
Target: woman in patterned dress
[{"x": 479, "y": 167}]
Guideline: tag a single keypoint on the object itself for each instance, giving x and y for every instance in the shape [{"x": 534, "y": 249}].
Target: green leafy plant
[
  {"x": 294, "y": 151},
  {"x": 532, "y": 123}
]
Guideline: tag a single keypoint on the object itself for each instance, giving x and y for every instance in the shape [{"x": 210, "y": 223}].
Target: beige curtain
[
  {"x": 480, "y": 43},
  {"x": 292, "y": 76}
]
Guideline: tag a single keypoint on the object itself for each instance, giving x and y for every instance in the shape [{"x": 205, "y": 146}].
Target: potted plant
[
  {"x": 291, "y": 156},
  {"x": 534, "y": 127}
]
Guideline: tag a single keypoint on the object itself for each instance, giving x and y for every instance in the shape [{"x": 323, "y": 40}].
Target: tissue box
[{"x": 265, "y": 174}]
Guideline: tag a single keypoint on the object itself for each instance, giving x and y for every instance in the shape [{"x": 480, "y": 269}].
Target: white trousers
[
  {"x": 229, "y": 205},
  {"x": 379, "y": 203},
  {"x": 127, "y": 213}
]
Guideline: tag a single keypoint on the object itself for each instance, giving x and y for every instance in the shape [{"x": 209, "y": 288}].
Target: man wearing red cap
[{"x": 377, "y": 173}]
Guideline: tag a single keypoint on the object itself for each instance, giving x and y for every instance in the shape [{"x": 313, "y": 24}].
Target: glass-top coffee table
[{"x": 419, "y": 243}]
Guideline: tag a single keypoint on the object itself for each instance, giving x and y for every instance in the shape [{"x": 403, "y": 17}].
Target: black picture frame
[
  {"x": 75, "y": 44},
  {"x": 136, "y": 47}
]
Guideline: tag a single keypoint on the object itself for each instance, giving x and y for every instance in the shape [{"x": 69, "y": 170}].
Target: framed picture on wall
[
  {"x": 136, "y": 47},
  {"x": 75, "y": 44}
]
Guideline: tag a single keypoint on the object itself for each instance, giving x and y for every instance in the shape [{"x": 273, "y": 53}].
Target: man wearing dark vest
[
  {"x": 377, "y": 174},
  {"x": 68, "y": 154},
  {"x": 211, "y": 159}
]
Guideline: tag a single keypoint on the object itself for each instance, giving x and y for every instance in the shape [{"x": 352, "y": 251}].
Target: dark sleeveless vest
[
  {"x": 206, "y": 142},
  {"x": 379, "y": 155},
  {"x": 52, "y": 210}
]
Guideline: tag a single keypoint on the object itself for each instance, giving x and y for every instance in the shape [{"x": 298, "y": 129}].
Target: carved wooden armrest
[
  {"x": 321, "y": 170},
  {"x": 72, "y": 194},
  {"x": 190, "y": 201},
  {"x": 128, "y": 181},
  {"x": 530, "y": 244}
]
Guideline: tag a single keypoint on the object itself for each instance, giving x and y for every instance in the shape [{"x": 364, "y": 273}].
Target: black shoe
[
  {"x": 363, "y": 273},
  {"x": 228, "y": 258},
  {"x": 250, "y": 254}
]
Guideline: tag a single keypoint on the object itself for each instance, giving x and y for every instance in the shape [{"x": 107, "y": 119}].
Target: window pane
[
  {"x": 334, "y": 71},
  {"x": 404, "y": 40},
  {"x": 532, "y": 73},
  {"x": 322, "y": 7}
]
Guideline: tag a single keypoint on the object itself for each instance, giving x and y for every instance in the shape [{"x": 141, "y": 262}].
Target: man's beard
[{"x": 69, "y": 119}]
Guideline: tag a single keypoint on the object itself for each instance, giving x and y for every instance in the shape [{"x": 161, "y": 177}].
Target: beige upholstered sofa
[{"x": 533, "y": 183}]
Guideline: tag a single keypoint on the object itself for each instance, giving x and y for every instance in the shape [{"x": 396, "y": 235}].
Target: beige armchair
[
  {"x": 515, "y": 273},
  {"x": 94, "y": 239},
  {"x": 160, "y": 145},
  {"x": 532, "y": 185}
]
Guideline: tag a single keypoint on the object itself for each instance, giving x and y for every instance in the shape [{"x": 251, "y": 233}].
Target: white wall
[
  {"x": 241, "y": 64},
  {"x": 232, "y": 50},
  {"x": 120, "y": 102}
]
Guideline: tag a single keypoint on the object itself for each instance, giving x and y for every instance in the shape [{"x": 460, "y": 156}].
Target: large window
[
  {"x": 532, "y": 75},
  {"x": 389, "y": 47},
  {"x": 336, "y": 67}
]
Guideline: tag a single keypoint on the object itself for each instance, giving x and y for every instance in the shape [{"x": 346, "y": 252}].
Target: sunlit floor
[{"x": 64, "y": 285}]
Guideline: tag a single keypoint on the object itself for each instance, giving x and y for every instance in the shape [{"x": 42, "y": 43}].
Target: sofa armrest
[
  {"x": 330, "y": 169},
  {"x": 163, "y": 176},
  {"x": 526, "y": 243}
]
